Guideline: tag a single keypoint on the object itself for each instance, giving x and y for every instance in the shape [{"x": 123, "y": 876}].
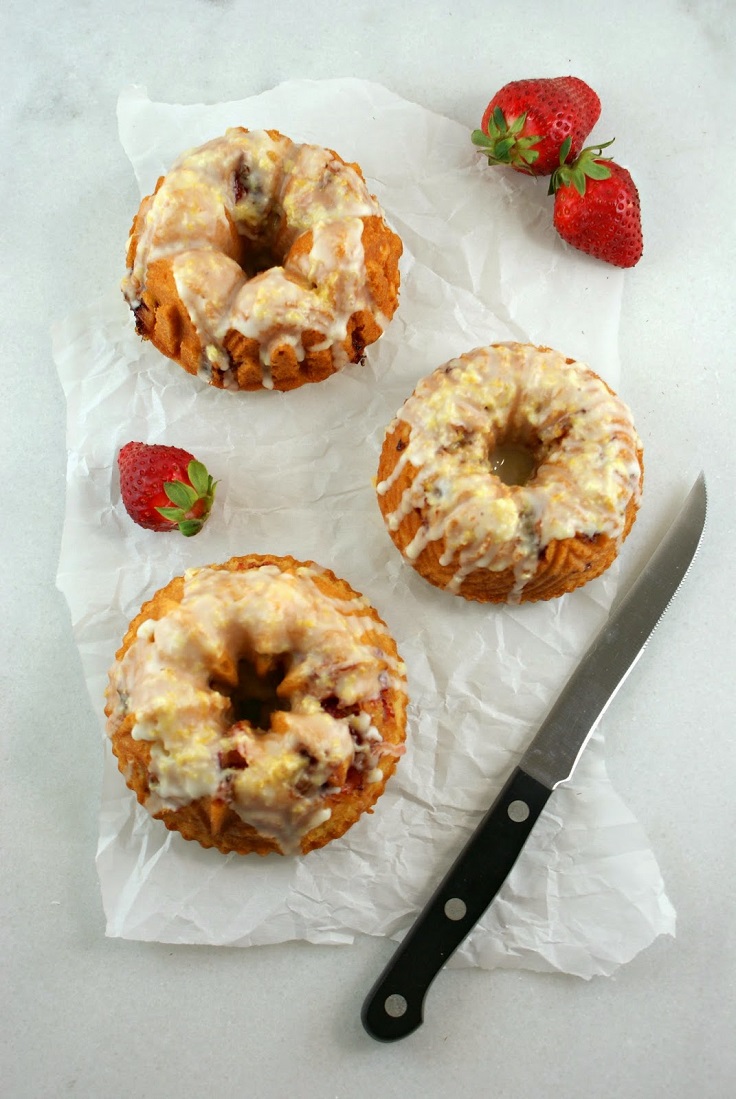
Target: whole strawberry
[
  {"x": 165, "y": 488},
  {"x": 597, "y": 208},
  {"x": 526, "y": 123}
]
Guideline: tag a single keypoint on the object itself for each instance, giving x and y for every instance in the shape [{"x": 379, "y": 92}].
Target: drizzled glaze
[
  {"x": 276, "y": 779},
  {"x": 271, "y": 191},
  {"x": 582, "y": 437}
]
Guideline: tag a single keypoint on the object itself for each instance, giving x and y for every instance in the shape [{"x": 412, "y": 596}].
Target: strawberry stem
[
  {"x": 589, "y": 165},
  {"x": 503, "y": 143},
  {"x": 192, "y": 502}
]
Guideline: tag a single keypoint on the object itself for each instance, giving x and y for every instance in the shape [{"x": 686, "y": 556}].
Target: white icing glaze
[
  {"x": 269, "y": 189},
  {"x": 586, "y": 447},
  {"x": 276, "y": 778}
]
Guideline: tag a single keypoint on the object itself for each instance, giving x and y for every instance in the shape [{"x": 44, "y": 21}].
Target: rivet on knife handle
[{"x": 394, "y": 1007}]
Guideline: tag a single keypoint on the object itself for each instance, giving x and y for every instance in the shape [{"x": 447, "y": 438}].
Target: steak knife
[{"x": 394, "y": 1006}]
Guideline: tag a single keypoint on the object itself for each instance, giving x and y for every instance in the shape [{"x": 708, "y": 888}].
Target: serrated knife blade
[{"x": 394, "y": 1007}]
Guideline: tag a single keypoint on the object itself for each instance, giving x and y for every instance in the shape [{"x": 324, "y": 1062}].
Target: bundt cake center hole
[
  {"x": 258, "y": 256},
  {"x": 254, "y": 698},
  {"x": 513, "y": 463}
]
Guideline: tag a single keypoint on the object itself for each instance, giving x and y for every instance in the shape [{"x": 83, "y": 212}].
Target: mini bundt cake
[
  {"x": 257, "y": 706},
  {"x": 261, "y": 263},
  {"x": 511, "y": 474}
]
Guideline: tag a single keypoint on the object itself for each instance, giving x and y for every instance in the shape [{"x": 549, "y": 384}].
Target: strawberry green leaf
[
  {"x": 200, "y": 478},
  {"x": 184, "y": 496},
  {"x": 577, "y": 179},
  {"x": 597, "y": 170},
  {"x": 174, "y": 515},
  {"x": 503, "y": 146},
  {"x": 190, "y": 527},
  {"x": 481, "y": 139}
]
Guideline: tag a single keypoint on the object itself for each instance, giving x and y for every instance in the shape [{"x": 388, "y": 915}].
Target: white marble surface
[{"x": 85, "y": 1015}]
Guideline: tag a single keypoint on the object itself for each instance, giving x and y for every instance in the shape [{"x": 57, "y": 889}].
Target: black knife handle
[{"x": 394, "y": 1006}]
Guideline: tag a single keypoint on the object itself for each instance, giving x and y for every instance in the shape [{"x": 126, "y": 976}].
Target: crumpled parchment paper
[{"x": 481, "y": 263}]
